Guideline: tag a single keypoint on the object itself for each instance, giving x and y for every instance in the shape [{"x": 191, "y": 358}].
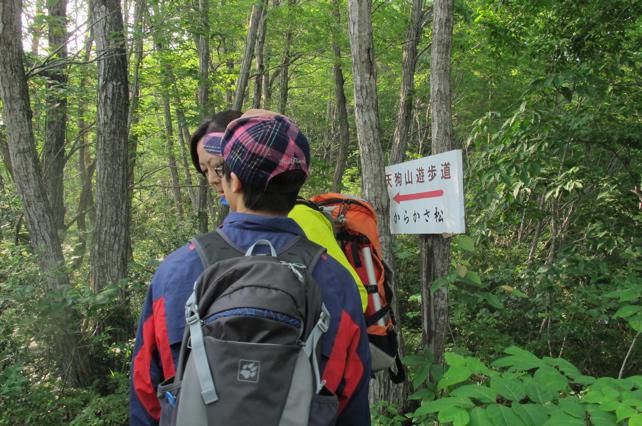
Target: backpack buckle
[
  {"x": 324, "y": 319},
  {"x": 193, "y": 318}
]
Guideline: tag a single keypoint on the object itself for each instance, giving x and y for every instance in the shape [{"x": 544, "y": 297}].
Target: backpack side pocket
[
  {"x": 168, "y": 394},
  {"x": 323, "y": 410}
]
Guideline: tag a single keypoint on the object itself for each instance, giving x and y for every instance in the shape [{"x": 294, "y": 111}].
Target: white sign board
[{"x": 427, "y": 195}]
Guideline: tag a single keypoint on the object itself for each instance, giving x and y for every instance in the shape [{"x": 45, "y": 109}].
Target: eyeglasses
[{"x": 219, "y": 171}]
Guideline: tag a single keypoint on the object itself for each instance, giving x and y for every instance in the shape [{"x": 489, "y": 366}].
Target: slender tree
[
  {"x": 37, "y": 28},
  {"x": 110, "y": 246},
  {"x": 407, "y": 91},
  {"x": 183, "y": 141},
  {"x": 86, "y": 166},
  {"x": 260, "y": 58},
  {"x": 167, "y": 79},
  {"x": 436, "y": 248},
  {"x": 4, "y": 151},
  {"x": 203, "y": 99},
  {"x": 71, "y": 358},
  {"x": 250, "y": 43},
  {"x": 284, "y": 78},
  {"x": 372, "y": 166},
  {"x": 53, "y": 153},
  {"x": 341, "y": 112}
]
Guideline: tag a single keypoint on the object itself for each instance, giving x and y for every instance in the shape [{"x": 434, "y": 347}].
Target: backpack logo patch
[{"x": 249, "y": 370}]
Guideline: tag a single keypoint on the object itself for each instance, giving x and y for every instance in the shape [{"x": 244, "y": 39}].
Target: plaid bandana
[
  {"x": 258, "y": 148},
  {"x": 212, "y": 143}
]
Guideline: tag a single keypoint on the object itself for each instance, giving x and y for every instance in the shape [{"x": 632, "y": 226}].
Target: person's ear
[{"x": 235, "y": 183}]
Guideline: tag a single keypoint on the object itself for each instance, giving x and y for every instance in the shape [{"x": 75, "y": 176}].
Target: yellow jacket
[{"x": 318, "y": 229}]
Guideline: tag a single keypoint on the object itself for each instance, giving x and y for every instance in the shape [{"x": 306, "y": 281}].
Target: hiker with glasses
[{"x": 265, "y": 162}]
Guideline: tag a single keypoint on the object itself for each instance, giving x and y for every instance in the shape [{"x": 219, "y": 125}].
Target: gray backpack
[{"x": 249, "y": 355}]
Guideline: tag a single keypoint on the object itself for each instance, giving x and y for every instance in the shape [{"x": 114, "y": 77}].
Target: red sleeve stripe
[
  {"x": 162, "y": 339},
  {"x": 142, "y": 379},
  {"x": 344, "y": 363}
]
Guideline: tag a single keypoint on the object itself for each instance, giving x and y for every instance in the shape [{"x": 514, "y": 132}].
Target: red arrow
[{"x": 418, "y": 196}]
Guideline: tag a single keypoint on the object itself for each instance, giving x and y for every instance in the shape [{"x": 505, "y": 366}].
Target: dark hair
[
  {"x": 279, "y": 196},
  {"x": 217, "y": 123}
]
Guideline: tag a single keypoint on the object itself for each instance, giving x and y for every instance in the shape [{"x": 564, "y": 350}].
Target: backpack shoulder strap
[
  {"x": 215, "y": 246},
  {"x": 308, "y": 203}
]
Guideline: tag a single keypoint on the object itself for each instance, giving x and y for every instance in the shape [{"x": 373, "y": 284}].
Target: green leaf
[
  {"x": 593, "y": 395},
  {"x": 466, "y": 243},
  {"x": 531, "y": 414},
  {"x": 564, "y": 366},
  {"x": 500, "y": 415},
  {"x": 479, "y": 417},
  {"x": 458, "y": 416},
  {"x": 421, "y": 375},
  {"x": 429, "y": 407},
  {"x": 478, "y": 367},
  {"x": 513, "y": 291},
  {"x": 538, "y": 393},
  {"x": 474, "y": 278},
  {"x": 584, "y": 380},
  {"x": 453, "y": 376},
  {"x": 493, "y": 300},
  {"x": 519, "y": 359},
  {"x": 562, "y": 419},
  {"x": 439, "y": 283},
  {"x": 413, "y": 360},
  {"x": 437, "y": 372},
  {"x": 573, "y": 407},
  {"x": 522, "y": 353},
  {"x": 632, "y": 398},
  {"x": 510, "y": 389},
  {"x": 634, "y": 381},
  {"x": 550, "y": 378},
  {"x": 624, "y": 412},
  {"x": 599, "y": 417},
  {"x": 455, "y": 360},
  {"x": 627, "y": 311},
  {"x": 479, "y": 392},
  {"x": 636, "y": 420},
  {"x": 423, "y": 394},
  {"x": 629, "y": 294},
  {"x": 636, "y": 322}
]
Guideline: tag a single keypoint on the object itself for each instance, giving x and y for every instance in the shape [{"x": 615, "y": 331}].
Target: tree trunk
[
  {"x": 53, "y": 153},
  {"x": 250, "y": 42},
  {"x": 285, "y": 64},
  {"x": 171, "y": 156},
  {"x": 36, "y": 29},
  {"x": 436, "y": 256},
  {"x": 341, "y": 113},
  {"x": 183, "y": 141},
  {"x": 229, "y": 63},
  {"x": 260, "y": 56},
  {"x": 110, "y": 245},
  {"x": 134, "y": 101},
  {"x": 203, "y": 100},
  {"x": 167, "y": 79},
  {"x": 4, "y": 150},
  {"x": 85, "y": 166},
  {"x": 327, "y": 154},
  {"x": 267, "y": 78},
  {"x": 406, "y": 94},
  {"x": 71, "y": 357},
  {"x": 372, "y": 166}
]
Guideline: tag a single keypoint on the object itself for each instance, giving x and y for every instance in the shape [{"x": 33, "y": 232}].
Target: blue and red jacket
[{"x": 346, "y": 355}]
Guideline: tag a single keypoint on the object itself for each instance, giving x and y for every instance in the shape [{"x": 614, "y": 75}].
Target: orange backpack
[{"x": 356, "y": 232}]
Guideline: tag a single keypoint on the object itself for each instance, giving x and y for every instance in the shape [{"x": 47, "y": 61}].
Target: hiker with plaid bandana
[{"x": 266, "y": 161}]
